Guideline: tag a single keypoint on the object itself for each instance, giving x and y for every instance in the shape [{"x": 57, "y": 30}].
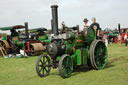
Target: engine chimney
[
  {"x": 54, "y": 20},
  {"x": 119, "y": 27},
  {"x": 26, "y": 30}
]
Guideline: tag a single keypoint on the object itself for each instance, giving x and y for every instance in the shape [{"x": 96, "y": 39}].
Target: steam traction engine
[
  {"x": 23, "y": 41},
  {"x": 71, "y": 49}
]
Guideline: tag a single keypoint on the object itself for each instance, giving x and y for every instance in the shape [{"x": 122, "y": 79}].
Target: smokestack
[
  {"x": 54, "y": 19},
  {"x": 26, "y": 30},
  {"x": 119, "y": 27},
  {"x": 51, "y": 26}
]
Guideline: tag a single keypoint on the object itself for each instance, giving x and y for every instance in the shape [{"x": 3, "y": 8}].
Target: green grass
[{"x": 21, "y": 71}]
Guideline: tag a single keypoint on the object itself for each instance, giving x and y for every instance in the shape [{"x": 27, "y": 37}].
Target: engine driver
[
  {"x": 85, "y": 25},
  {"x": 96, "y": 27},
  {"x": 14, "y": 33}
]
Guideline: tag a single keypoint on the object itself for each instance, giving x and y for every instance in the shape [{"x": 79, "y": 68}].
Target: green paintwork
[
  {"x": 78, "y": 48},
  {"x": 20, "y": 43},
  {"x": 58, "y": 58},
  {"x": 68, "y": 47},
  {"x": 17, "y": 42},
  {"x": 4, "y": 37},
  {"x": 113, "y": 35},
  {"x": 30, "y": 31},
  {"x": 91, "y": 35},
  {"x": 78, "y": 41},
  {"x": 74, "y": 57},
  {"x": 42, "y": 37},
  {"x": 6, "y": 28},
  {"x": 85, "y": 55},
  {"x": 47, "y": 35},
  {"x": 82, "y": 51},
  {"x": 77, "y": 57},
  {"x": 67, "y": 66},
  {"x": 78, "y": 53},
  {"x": 12, "y": 27},
  {"x": 100, "y": 55},
  {"x": 47, "y": 41},
  {"x": 14, "y": 39},
  {"x": 73, "y": 35}
]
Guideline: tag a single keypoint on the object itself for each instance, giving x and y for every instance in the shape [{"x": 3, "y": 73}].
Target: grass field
[{"x": 21, "y": 71}]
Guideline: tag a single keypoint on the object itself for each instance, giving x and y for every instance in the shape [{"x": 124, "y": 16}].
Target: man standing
[
  {"x": 85, "y": 25},
  {"x": 119, "y": 37},
  {"x": 126, "y": 39},
  {"x": 63, "y": 28},
  {"x": 95, "y": 26}
]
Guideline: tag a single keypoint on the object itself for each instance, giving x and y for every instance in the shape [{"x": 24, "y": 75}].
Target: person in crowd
[
  {"x": 19, "y": 32},
  {"x": 63, "y": 28},
  {"x": 126, "y": 39},
  {"x": 96, "y": 27},
  {"x": 41, "y": 32},
  {"x": 119, "y": 37},
  {"x": 105, "y": 38}
]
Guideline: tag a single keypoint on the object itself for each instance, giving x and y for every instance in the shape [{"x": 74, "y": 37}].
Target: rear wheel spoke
[
  {"x": 40, "y": 69},
  {"x": 43, "y": 71},
  {"x": 41, "y": 61},
  {"x": 40, "y": 65},
  {"x": 46, "y": 70},
  {"x": 46, "y": 62}
]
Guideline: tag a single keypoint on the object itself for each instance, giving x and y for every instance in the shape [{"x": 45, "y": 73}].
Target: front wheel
[
  {"x": 65, "y": 66},
  {"x": 43, "y": 65}
]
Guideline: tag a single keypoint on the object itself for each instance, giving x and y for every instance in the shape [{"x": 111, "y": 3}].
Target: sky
[{"x": 38, "y": 12}]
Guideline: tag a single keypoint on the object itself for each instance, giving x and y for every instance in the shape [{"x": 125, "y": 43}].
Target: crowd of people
[
  {"x": 97, "y": 29},
  {"x": 94, "y": 25},
  {"x": 125, "y": 38}
]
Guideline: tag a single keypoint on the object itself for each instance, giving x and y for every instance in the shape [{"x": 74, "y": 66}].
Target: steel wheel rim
[
  {"x": 67, "y": 66},
  {"x": 43, "y": 66},
  {"x": 3, "y": 45},
  {"x": 100, "y": 55}
]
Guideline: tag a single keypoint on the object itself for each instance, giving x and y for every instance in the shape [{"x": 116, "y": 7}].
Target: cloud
[{"x": 38, "y": 12}]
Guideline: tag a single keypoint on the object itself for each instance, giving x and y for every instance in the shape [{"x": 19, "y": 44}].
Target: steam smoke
[{"x": 54, "y": 2}]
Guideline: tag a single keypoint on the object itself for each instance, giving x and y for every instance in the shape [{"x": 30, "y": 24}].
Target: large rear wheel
[
  {"x": 43, "y": 65},
  {"x": 4, "y": 44},
  {"x": 65, "y": 66},
  {"x": 98, "y": 54}
]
